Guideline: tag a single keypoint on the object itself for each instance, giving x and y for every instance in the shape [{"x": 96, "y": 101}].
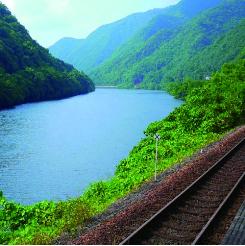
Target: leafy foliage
[
  {"x": 40, "y": 222},
  {"x": 211, "y": 109},
  {"x": 28, "y": 72},
  {"x": 181, "y": 89}
]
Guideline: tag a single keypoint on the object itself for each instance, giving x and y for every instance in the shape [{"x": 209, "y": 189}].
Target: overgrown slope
[
  {"x": 195, "y": 49},
  {"x": 28, "y": 73},
  {"x": 209, "y": 111}
]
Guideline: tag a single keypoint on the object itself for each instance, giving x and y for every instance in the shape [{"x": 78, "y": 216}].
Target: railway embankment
[{"x": 129, "y": 213}]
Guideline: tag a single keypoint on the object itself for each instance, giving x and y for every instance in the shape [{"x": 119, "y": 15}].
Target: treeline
[
  {"x": 180, "y": 90},
  {"x": 39, "y": 84},
  {"x": 28, "y": 73}
]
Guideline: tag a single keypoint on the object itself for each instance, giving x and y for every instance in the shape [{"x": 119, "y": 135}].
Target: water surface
[{"x": 54, "y": 150}]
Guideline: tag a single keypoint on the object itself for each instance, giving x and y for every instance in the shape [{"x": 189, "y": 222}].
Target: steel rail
[
  {"x": 219, "y": 210},
  {"x": 144, "y": 227}
]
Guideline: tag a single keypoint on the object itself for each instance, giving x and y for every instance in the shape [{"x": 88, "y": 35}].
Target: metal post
[
  {"x": 156, "y": 162},
  {"x": 157, "y": 138}
]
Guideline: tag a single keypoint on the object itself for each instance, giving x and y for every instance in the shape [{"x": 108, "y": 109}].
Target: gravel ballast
[{"x": 127, "y": 214}]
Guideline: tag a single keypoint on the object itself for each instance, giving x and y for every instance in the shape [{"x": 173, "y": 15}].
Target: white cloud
[{"x": 10, "y": 4}]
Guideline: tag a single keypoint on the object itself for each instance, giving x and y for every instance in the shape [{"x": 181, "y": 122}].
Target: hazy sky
[{"x": 49, "y": 20}]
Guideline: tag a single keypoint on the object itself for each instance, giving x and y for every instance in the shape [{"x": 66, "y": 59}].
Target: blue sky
[{"x": 49, "y": 20}]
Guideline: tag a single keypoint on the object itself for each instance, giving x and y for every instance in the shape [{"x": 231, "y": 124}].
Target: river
[{"x": 54, "y": 150}]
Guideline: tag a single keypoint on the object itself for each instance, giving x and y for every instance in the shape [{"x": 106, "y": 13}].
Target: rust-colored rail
[{"x": 188, "y": 216}]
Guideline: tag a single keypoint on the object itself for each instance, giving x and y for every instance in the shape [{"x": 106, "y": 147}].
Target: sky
[{"x": 50, "y": 20}]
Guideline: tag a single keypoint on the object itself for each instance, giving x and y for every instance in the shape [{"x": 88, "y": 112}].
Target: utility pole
[{"x": 157, "y": 138}]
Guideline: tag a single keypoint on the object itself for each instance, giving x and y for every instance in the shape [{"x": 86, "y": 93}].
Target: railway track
[{"x": 190, "y": 216}]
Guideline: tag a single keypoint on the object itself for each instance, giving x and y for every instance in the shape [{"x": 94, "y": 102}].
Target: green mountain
[
  {"x": 100, "y": 44},
  {"x": 194, "y": 49},
  {"x": 28, "y": 73},
  {"x": 62, "y": 48},
  {"x": 191, "y": 8}
]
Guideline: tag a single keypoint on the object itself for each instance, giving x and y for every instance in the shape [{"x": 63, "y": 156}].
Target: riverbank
[
  {"x": 105, "y": 87},
  {"x": 128, "y": 213},
  {"x": 206, "y": 116},
  {"x": 71, "y": 141}
]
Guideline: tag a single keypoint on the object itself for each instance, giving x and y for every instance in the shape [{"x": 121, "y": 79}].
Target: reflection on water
[{"x": 53, "y": 150}]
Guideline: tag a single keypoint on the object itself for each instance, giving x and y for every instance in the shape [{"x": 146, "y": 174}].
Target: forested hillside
[
  {"x": 28, "y": 73},
  {"x": 194, "y": 49},
  {"x": 103, "y": 42},
  {"x": 64, "y": 47},
  {"x": 99, "y": 45}
]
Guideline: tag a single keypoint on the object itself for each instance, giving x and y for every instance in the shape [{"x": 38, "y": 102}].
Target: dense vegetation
[
  {"x": 181, "y": 89},
  {"x": 209, "y": 111},
  {"x": 194, "y": 49},
  {"x": 86, "y": 54},
  {"x": 28, "y": 72}
]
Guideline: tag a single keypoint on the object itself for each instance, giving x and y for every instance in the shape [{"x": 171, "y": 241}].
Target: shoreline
[
  {"x": 106, "y": 87},
  {"x": 121, "y": 212}
]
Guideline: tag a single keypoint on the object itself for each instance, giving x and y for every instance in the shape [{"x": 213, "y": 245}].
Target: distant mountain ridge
[
  {"x": 101, "y": 43},
  {"x": 28, "y": 73},
  {"x": 191, "y": 8},
  {"x": 195, "y": 49},
  {"x": 190, "y": 39},
  {"x": 63, "y": 47}
]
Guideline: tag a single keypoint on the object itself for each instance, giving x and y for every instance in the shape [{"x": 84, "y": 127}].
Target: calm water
[{"x": 54, "y": 150}]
